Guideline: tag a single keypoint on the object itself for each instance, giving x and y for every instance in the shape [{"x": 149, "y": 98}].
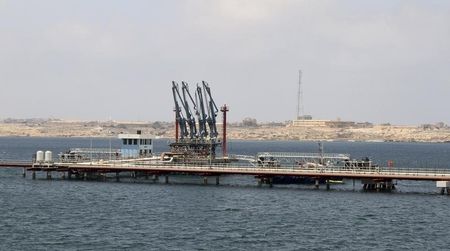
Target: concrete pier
[
  {"x": 378, "y": 179},
  {"x": 444, "y": 186}
]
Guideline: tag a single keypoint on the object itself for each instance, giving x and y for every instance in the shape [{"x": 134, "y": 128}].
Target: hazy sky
[{"x": 378, "y": 61}]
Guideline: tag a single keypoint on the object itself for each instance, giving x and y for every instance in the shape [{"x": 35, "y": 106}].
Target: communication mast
[{"x": 300, "y": 109}]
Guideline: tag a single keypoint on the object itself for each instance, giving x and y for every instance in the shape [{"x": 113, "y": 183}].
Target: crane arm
[
  {"x": 179, "y": 114},
  {"x": 189, "y": 116},
  {"x": 201, "y": 114},
  {"x": 212, "y": 110}
]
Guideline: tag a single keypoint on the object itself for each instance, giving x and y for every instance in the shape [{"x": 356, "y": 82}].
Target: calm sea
[{"x": 237, "y": 215}]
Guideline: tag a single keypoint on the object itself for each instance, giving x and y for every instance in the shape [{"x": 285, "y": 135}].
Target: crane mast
[
  {"x": 190, "y": 119},
  {"x": 201, "y": 114},
  {"x": 179, "y": 114},
  {"x": 212, "y": 111}
]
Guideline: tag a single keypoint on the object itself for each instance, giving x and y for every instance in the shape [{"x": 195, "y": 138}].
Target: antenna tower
[{"x": 300, "y": 111}]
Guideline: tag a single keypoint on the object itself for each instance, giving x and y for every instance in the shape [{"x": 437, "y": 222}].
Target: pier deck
[
  {"x": 372, "y": 178},
  {"x": 383, "y": 173}
]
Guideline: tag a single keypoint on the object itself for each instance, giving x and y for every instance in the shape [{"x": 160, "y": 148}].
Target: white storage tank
[
  {"x": 48, "y": 156},
  {"x": 39, "y": 156}
]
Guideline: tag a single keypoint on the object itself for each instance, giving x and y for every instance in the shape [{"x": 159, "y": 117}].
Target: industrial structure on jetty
[{"x": 193, "y": 152}]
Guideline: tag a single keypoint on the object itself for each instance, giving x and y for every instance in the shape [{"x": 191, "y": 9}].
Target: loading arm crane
[
  {"x": 179, "y": 114},
  {"x": 212, "y": 111},
  {"x": 201, "y": 114},
  {"x": 189, "y": 116}
]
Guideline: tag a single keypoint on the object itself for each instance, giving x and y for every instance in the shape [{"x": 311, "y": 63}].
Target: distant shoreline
[{"x": 278, "y": 132}]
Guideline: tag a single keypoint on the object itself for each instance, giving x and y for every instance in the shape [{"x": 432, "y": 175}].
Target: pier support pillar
[
  {"x": 155, "y": 178},
  {"x": 117, "y": 176},
  {"x": 69, "y": 175},
  {"x": 24, "y": 172},
  {"x": 63, "y": 175},
  {"x": 85, "y": 176},
  {"x": 270, "y": 180},
  {"x": 443, "y": 186},
  {"x": 317, "y": 184},
  {"x": 217, "y": 180},
  {"x": 370, "y": 185},
  {"x": 167, "y": 179},
  {"x": 260, "y": 182},
  {"x": 328, "y": 184},
  {"x": 146, "y": 176},
  {"x": 49, "y": 175},
  {"x": 205, "y": 180},
  {"x": 33, "y": 175}
]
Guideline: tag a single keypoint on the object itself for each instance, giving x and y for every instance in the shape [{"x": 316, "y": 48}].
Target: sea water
[{"x": 236, "y": 215}]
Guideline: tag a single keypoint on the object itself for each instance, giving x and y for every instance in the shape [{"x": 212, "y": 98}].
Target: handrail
[
  {"x": 280, "y": 169},
  {"x": 304, "y": 155}
]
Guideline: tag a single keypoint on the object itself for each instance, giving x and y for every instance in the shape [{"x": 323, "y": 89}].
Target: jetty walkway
[{"x": 371, "y": 177}]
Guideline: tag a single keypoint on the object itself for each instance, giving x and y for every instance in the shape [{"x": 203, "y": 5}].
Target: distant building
[
  {"x": 341, "y": 124},
  {"x": 310, "y": 123},
  {"x": 304, "y": 117},
  {"x": 307, "y": 121}
]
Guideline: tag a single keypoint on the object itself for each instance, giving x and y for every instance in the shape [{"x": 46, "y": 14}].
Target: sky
[{"x": 378, "y": 61}]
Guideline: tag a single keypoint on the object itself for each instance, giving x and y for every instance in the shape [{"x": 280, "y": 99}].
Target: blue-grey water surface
[{"x": 237, "y": 215}]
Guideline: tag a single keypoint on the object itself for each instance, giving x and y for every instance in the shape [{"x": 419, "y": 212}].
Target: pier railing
[
  {"x": 293, "y": 169},
  {"x": 304, "y": 155}
]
